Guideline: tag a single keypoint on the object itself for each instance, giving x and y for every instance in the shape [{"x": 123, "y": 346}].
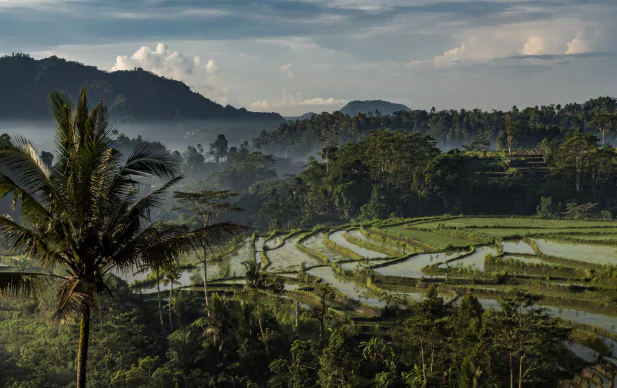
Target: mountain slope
[
  {"x": 136, "y": 95},
  {"x": 384, "y": 107}
]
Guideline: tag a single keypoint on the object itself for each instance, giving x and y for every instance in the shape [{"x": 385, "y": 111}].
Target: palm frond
[
  {"x": 18, "y": 238},
  {"x": 151, "y": 159},
  {"x": 22, "y": 284},
  {"x": 31, "y": 208},
  {"x": 76, "y": 297},
  {"x": 20, "y": 161}
]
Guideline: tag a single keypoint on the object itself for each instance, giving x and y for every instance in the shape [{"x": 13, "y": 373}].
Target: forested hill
[
  {"x": 450, "y": 128},
  {"x": 138, "y": 95},
  {"x": 384, "y": 107}
]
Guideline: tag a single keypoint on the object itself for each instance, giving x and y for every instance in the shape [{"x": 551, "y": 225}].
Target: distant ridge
[
  {"x": 303, "y": 117},
  {"x": 353, "y": 108},
  {"x": 136, "y": 95}
]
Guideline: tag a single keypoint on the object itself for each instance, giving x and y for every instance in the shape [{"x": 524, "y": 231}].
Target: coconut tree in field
[{"x": 87, "y": 218}]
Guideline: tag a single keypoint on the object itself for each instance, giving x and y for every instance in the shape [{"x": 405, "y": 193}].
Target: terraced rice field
[
  {"x": 316, "y": 244},
  {"x": 475, "y": 260},
  {"x": 357, "y": 234},
  {"x": 436, "y": 240},
  {"x": 590, "y": 253},
  {"x": 349, "y": 287},
  {"x": 237, "y": 257},
  {"x": 517, "y": 246},
  {"x": 337, "y": 237},
  {"x": 276, "y": 241},
  {"x": 288, "y": 257},
  {"x": 517, "y": 222},
  {"x": 412, "y": 267},
  {"x": 259, "y": 246}
]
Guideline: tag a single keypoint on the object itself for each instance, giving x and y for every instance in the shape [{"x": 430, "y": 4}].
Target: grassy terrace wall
[{"x": 309, "y": 252}]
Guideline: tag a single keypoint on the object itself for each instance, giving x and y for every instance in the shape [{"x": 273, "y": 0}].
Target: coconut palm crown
[{"x": 86, "y": 216}]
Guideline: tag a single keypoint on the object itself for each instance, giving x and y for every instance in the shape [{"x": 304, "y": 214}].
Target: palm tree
[{"x": 85, "y": 217}]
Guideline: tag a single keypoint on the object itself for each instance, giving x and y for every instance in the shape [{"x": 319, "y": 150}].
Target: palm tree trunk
[
  {"x": 82, "y": 354},
  {"x": 206, "y": 279},
  {"x": 171, "y": 293},
  {"x": 158, "y": 295}
]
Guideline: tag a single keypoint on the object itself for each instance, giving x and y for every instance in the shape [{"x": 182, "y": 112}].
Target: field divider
[
  {"x": 370, "y": 246},
  {"x": 309, "y": 252},
  {"x": 561, "y": 260},
  {"x": 340, "y": 249}
]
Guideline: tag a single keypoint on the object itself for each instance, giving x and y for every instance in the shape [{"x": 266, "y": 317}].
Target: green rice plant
[
  {"x": 403, "y": 245},
  {"x": 495, "y": 264},
  {"x": 403, "y": 238},
  {"x": 370, "y": 246},
  {"x": 341, "y": 250},
  {"x": 457, "y": 233}
]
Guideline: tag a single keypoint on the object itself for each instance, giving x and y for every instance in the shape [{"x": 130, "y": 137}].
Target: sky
[{"x": 293, "y": 57}]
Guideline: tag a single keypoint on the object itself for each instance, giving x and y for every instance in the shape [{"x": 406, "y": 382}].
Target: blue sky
[{"x": 293, "y": 56}]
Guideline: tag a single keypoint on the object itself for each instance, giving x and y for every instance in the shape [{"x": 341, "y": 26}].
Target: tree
[
  {"x": 326, "y": 295},
  {"x": 86, "y": 217},
  {"x": 530, "y": 336},
  {"x": 576, "y": 154},
  {"x": 219, "y": 148},
  {"x": 604, "y": 122},
  {"x": 47, "y": 158},
  {"x": 480, "y": 142},
  {"x": 208, "y": 205},
  {"x": 337, "y": 366}
]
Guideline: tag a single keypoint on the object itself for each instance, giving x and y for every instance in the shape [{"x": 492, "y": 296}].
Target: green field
[
  {"x": 515, "y": 222},
  {"x": 436, "y": 240}
]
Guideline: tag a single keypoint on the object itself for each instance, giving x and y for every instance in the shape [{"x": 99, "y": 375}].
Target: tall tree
[
  {"x": 208, "y": 205},
  {"x": 604, "y": 122},
  {"x": 85, "y": 217},
  {"x": 219, "y": 148}
]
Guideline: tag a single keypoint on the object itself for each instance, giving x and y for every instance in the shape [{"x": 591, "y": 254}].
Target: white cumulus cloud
[
  {"x": 287, "y": 69},
  {"x": 578, "y": 45},
  {"x": 164, "y": 62}
]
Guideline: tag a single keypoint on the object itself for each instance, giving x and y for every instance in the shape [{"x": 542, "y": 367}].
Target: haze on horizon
[{"x": 293, "y": 57}]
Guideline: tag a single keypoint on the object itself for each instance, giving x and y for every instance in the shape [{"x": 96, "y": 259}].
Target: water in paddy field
[
  {"x": 276, "y": 241},
  {"x": 475, "y": 260},
  {"x": 517, "y": 246},
  {"x": 590, "y": 253},
  {"x": 337, "y": 237},
  {"x": 606, "y": 322},
  {"x": 583, "y": 352},
  {"x": 288, "y": 257},
  {"x": 347, "y": 287},
  {"x": 316, "y": 244},
  {"x": 352, "y": 265},
  {"x": 412, "y": 267},
  {"x": 243, "y": 253}
]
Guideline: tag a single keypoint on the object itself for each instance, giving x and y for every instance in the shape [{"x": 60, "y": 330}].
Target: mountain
[
  {"x": 384, "y": 107},
  {"x": 303, "y": 117},
  {"x": 135, "y": 96}
]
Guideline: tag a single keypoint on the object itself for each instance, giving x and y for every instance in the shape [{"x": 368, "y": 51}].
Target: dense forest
[{"x": 449, "y": 128}]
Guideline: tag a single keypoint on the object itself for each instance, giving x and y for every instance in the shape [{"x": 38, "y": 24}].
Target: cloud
[
  {"x": 211, "y": 66},
  {"x": 287, "y": 70},
  {"x": 322, "y": 101},
  {"x": 577, "y": 45},
  {"x": 164, "y": 62},
  {"x": 290, "y": 101}
]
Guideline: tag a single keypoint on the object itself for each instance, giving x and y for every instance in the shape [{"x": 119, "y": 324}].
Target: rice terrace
[{"x": 571, "y": 264}]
